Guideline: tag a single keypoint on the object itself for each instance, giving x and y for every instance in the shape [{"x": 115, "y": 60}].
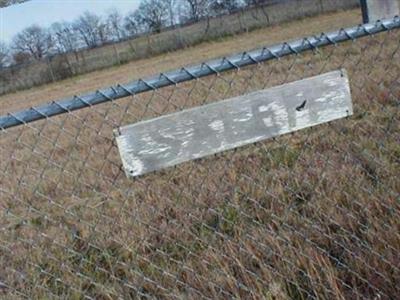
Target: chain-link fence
[
  {"x": 143, "y": 45},
  {"x": 314, "y": 214}
]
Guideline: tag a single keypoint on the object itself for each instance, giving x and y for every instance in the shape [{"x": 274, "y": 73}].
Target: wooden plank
[
  {"x": 374, "y": 10},
  {"x": 193, "y": 133}
]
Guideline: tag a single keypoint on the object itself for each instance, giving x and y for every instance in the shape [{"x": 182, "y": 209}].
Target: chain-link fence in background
[
  {"x": 314, "y": 214},
  {"x": 84, "y": 60}
]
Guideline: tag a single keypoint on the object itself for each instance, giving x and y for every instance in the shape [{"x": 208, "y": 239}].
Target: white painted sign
[{"x": 193, "y": 133}]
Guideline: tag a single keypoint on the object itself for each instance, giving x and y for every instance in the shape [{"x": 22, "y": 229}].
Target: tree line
[
  {"x": 5, "y": 3},
  {"x": 90, "y": 30}
]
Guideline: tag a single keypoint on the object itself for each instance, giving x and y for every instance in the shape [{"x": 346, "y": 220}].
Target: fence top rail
[{"x": 193, "y": 72}]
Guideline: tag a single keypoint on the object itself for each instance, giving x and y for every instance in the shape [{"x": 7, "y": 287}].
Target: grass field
[
  {"x": 314, "y": 214},
  {"x": 59, "y": 67},
  {"x": 165, "y": 62}
]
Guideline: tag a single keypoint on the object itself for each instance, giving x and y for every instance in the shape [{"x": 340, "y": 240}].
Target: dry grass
[
  {"x": 314, "y": 214},
  {"x": 192, "y": 55},
  {"x": 63, "y": 66}
]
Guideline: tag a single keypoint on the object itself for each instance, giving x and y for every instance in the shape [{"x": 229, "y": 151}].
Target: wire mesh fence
[
  {"x": 82, "y": 60},
  {"x": 314, "y": 214}
]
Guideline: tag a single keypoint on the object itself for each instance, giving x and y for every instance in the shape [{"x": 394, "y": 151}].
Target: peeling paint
[
  {"x": 217, "y": 125},
  {"x": 155, "y": 150},
  {"x": 268, "y": 122},
  {"x": 246, "y": 118},
  {"x": 197, "y": 132},
  {"x": 136, "y": 166}
]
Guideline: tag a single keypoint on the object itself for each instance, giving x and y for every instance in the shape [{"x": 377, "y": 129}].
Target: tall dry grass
[{"x": 314, "y": 214}]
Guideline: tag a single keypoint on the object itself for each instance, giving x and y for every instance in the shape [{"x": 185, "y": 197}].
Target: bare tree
[
  {"x": 153, "y": 14},
  {"x": 197, "y": 9},
  {"x": 103, "y": 32},
  {"x": 65, "y": 39},
  {"x": 34, "y": 40},
  {"x": 5, "y": 3},
  {"x": 257, "y": 2},
  {"x": 21, "y": 57},
  {"x": 171, "y": 4},
  {"x": 218, "y": 7},
  {"x": 115, "y": 24},
  {"x": 91, "y": 29},
  {"x": 4, "y": 54},
  {"x": 131, "y": 24}
]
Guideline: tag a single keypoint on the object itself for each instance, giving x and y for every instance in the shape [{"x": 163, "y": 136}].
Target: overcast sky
[{"x": 14, "y": 18}]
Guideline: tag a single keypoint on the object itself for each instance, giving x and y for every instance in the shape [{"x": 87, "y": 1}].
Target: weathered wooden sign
[
  {"x": 374, "y": 10},
  {"x": 193, "y": 133}
]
